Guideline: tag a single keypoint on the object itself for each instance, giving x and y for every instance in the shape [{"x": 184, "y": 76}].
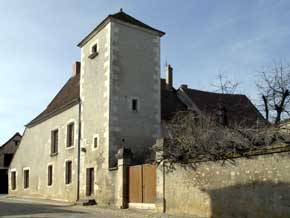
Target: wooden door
[
  {"x": 142, "y": 183},
  {"x": 90, "y": 182},
  {"x": 149, "y": 183}
]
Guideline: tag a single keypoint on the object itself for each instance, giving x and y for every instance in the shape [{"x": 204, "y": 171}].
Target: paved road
[{"x": 22, "y": 208}]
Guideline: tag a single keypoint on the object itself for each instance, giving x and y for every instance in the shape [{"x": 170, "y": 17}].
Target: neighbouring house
[
  {"x": 115, "y": 104},
  {"x": 7, "y": 151}
]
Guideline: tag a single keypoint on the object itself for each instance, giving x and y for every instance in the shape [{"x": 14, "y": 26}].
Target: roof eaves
[
  {"x": 16, "y": 134},
  {"x": 53, "y": 113},
  {"x": 95, "y": 31}
]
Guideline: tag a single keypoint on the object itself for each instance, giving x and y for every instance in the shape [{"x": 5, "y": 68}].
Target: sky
[{"x": 38, "y": 44}]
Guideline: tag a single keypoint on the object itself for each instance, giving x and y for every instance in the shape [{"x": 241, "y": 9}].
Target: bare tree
[
  {"x": 225, "y": 86},
  {"x": 274, "y": 86},
  {"x": 193, "y": 138}
]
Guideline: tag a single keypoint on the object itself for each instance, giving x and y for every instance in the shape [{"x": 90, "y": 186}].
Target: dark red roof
[
  {"x": 122, "y": 16},
  {"x": 16, "y": 136},
  {"x": 170, "y": 103},
  {"x": 65, "y": 98},
  {"x": 239, "y": 108}
]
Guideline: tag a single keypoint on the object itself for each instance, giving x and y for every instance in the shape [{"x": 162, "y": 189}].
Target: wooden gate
[{"x": 142, "y": 183}]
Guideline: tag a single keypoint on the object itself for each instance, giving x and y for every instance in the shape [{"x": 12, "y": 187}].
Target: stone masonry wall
[{"x": 249, "y": 188}]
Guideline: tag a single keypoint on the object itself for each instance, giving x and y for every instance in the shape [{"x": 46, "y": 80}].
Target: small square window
[
  {"x": 94, "y": 51},
  {"x": 134, "y": 105}
]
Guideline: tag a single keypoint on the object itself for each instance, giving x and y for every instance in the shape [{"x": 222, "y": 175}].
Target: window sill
[
  {"x": 54, "y": 154},
  {"x": 70, "y": 147},
  {"x": 93, "y": 55}
]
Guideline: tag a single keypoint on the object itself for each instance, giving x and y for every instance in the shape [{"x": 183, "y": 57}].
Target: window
[
  {"x": 96, "y": 141},
  {"x": 13, "y": 180},
  {"x": 68, "y": 172},
  {"x": 54, "y": 142},
  {"x": 49, "y": 175},
  {"x": 26, "y": 179},
  {"x": 94, "y": 51},
  {"x": 90, "y": 182},
  {"x": 70, "y": 135},
  {"x": 134, "y": 105}
]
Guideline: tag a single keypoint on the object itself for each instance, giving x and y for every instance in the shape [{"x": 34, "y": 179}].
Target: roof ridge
[
  {"x": 16, "y": 134},
  {"x": 216, "y": 93}
]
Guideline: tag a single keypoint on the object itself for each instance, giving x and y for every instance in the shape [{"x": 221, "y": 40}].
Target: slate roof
[
  {"x": 122, "y": 16},
  {"x": 67, "y": 97},
  {"x": 239, "y": 108}
]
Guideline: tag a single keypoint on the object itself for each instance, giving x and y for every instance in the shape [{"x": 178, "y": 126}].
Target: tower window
[
  {"x": 134, "y": 105},
  {"x": 96, "y": 141},
  {"x": 94, "y": 51}
]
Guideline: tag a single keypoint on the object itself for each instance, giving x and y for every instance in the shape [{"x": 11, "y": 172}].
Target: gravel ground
[{"x": 23, "y": 207}]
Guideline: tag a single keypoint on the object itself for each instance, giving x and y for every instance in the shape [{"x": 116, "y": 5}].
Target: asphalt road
[{"x": 22, "y": 208}]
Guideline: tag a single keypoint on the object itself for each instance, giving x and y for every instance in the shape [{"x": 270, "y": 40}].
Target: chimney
[
  {"x": 76, "y": 68},
  {"x": 168, "y": 71}
]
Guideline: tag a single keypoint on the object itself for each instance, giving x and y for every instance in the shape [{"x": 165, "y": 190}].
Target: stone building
[
  {"x": 7, "y": 151},
  {"x": 114, "y": 100}
]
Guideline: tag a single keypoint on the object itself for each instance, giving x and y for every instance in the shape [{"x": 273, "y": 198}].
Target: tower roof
[{"x": 121, "y": 16}]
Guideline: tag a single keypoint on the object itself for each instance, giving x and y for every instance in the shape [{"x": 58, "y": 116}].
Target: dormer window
[{"x": 94, "y": 51}]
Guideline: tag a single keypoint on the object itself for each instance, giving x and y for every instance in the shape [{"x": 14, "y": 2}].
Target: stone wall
[
  {"x": 253, "y": 187},
  {"x": 34, "y": 153}
]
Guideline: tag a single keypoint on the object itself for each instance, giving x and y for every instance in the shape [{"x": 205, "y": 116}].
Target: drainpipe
[{"x": 79, "y": 153}]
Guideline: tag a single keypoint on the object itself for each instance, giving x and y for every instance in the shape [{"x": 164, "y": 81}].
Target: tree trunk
[{"x": 266, "y": 107}]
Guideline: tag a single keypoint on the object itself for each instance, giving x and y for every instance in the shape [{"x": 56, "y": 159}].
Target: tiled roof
[
  {"x": 129, "y": 19},
  {"x": 122, "y": 16},
  {"x": 65, "y": 98},
  {"x": 170, "y": 103},
  {"x": 239, "y": 108},
  {"x": 15, "y": 136}
]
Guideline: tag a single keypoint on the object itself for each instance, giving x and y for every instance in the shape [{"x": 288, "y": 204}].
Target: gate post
[
  {"x": 123, "y": 157},
  {"x": 160, "y": 179}
]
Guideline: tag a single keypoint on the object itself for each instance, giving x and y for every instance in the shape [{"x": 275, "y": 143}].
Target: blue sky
[{"x": 38, "y": 45}]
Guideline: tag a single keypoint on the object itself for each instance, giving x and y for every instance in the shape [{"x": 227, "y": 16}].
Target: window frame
[
  {"x": 94, "y": 50},
  {"x": 70, "y": 141},
  {"x": 13, "y": 179},
  {"x": 54, "y": 145},
  {"x": 68, "y": 172},
  {"x": 96, "y": 136},
  {"x": 26, "y": 178},
  {"x": 134, "y": 102},
  {"x": 49, "y": 175}
]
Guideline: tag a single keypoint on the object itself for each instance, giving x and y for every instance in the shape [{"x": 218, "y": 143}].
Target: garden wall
[{"x": 253, "y": 187}]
